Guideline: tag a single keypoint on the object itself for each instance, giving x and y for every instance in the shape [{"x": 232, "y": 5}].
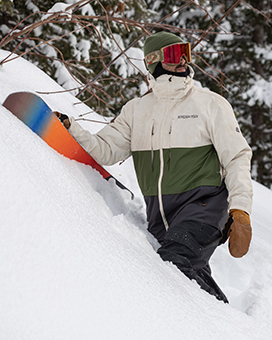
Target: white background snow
[{"x": 76, "y": 261}]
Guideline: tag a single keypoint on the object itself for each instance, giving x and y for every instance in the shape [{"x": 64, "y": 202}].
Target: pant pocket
[{"x": 208, "y": 235}]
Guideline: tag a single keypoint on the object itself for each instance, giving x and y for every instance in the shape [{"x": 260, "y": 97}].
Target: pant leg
[{"x": 189, "y": 246}]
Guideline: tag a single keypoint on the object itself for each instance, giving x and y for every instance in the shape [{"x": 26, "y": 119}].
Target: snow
[
  {"x": 260, "y": 91},
  {"x": 129, "y": 63},
  {"x": 225, "y": 32},
  {"x": 76, "y": 261},
  {"x": 61, "y": 8}
]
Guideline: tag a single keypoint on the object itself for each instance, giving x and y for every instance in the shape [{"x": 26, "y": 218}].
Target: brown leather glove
[
  {"x": 63, "y": 118},
  {"x": 239, "y": 232}
]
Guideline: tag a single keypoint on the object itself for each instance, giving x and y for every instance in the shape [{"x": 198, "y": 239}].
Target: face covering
[{"x": 159, "y": 70}]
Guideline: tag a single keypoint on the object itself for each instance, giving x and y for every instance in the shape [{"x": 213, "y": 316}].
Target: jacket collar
[{"x": 171, "y": 87}]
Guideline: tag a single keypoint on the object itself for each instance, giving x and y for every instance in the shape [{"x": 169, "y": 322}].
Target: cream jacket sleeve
[
  {"x": 234, "y": 154},
  {"x": 109, "y": 145}
]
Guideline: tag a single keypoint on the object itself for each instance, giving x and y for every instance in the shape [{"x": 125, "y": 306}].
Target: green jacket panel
[{"x": 184, "y": 169}]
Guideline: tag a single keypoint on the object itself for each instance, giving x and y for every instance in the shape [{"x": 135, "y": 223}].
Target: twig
[{"x": 215, "y": 25}]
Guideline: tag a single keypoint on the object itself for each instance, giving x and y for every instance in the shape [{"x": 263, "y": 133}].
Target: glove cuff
[{"x": 240, "y": 215}]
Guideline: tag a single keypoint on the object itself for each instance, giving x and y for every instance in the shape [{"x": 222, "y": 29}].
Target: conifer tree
[
  {"x": 245, "y": 59},
  {"x": 82, "y": 45}
]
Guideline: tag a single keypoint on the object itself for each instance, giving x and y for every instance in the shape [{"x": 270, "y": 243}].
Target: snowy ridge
[{"x": 77, "y": 263}]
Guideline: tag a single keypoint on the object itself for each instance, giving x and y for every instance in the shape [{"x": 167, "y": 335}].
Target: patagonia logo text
[{"x": 187, "y": 116}]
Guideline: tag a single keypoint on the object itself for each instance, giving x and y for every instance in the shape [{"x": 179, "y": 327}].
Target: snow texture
[
  {"x": 77, "y": 263},
  {"x": 61, "y": 8}
]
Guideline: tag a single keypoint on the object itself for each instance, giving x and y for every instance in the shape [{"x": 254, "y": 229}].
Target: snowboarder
[{"x": 191, "y": 161}]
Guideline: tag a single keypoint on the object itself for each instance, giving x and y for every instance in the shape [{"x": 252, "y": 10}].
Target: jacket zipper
[
  {"x": 170, "y": 144},
  {"x": 152, "y": 149}
]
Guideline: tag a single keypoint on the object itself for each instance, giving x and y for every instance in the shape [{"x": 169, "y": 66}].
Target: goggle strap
[
  {"x": 153, "y": 57},
  {"x": 189, "y": 58}
]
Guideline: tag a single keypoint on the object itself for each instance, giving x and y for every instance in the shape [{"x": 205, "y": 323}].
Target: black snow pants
[{"x": 189, "y": 246}]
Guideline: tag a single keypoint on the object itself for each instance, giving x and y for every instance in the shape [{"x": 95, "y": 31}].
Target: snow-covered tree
[
  {"x": 244, "y": 55},
  {"x": 74, "y": 41}
]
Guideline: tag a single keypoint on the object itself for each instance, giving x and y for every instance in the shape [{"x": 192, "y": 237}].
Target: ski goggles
[{"x": 170, "y": 54}]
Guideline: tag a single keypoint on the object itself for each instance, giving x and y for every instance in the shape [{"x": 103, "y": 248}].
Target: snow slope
[{"x": 77, "y": 263}]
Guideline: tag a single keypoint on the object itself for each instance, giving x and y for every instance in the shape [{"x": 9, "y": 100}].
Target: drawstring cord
[{"x": 160, "y": 192}]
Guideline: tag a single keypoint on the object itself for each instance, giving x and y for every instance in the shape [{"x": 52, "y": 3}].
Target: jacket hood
[{"x": 168, "y": 86}]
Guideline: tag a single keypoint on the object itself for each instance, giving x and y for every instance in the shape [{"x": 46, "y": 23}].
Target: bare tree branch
[{"x": 22, "y": 34}]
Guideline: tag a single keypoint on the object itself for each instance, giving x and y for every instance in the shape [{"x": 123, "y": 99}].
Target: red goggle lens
[{"x": 173, "y": 53}]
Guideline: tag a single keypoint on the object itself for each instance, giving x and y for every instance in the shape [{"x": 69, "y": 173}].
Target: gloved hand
[
  {"x": 63, "y": 118},
  {"x": 239, "y": 232}
]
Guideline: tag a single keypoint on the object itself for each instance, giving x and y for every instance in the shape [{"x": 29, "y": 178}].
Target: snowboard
[{"x": 37, "y": 115}]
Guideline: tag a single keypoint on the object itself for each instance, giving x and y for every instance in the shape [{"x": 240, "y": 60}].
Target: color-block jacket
[{"x": 183, "y": 138}]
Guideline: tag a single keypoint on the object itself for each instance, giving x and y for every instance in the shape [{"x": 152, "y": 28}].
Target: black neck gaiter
[{"x": 159, "y": 70}]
